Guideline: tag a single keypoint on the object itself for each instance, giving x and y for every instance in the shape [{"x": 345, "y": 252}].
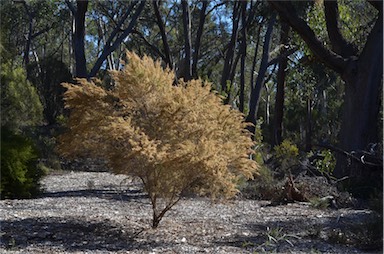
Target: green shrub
[
  {"x": 324, "y": 162},
  {"x": 287, "y": 154},
  {"x": 19, "y": 172}
]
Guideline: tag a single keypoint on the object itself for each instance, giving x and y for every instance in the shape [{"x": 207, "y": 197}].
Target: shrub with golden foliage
[{"x": 174, "y": 138}]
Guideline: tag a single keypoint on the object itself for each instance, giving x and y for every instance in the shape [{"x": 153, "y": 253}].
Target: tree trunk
[
  {"x": 30, "y": 37},
  {"x": 360, "y": 122},
  {"x": 70, "y": 46},
  {"x": 267, "y": 104},
  {"x": 198, "y": 39},
  {"x": 187, "y": 75},
  {"x": 279, "y": 100},
  {"x": 243, "y": 52},
  {"x": 160, "y": 24},
  {"x": 254, "y": 61},
  {"x": 228, "y": 61},
  {"x": 256, "y": 89},
  {"x": 308, "y": 126},
  {"x": 78, "y": 39},
  {"x": 28, "y": 42}
]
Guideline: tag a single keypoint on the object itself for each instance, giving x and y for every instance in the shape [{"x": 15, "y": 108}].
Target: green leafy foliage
[
  {"x": 19, "y": 172},
  {"x": 20, "y": 103},
  {"x": 287, "y": 154},
  {"x": 327, "y": 164}
]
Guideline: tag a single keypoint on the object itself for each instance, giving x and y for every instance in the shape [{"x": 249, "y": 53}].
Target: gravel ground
[{"x": 93, "y": 212}]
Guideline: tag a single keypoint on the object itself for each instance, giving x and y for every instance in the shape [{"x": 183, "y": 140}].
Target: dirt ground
[{"x": 98, "y": 212}]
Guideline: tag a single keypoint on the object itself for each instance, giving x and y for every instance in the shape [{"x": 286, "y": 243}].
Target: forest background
[{"x": 307, "y": 74}]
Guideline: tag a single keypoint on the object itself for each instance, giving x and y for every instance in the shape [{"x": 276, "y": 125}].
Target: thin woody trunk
[
  {"x": 308, "y": 127},
  {"x": 29, "y": 38},
  {"x": 254, "y": 61},
  {"x": 198, "y": 38},
  {"x": 228, "y": 61},
  {"x": 160, "y": 24},
  {"x": 187, "y": 75},
  {"x": 243, "y": 52},
  {"x": 279, "y": 100}
]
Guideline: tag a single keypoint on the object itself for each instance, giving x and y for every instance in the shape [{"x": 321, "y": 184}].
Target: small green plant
[
  {"x": 264, "y": 185},
  {"x": 287, "y": 154},
  {"x": 319, "y": 203},
  {"x": 246, "y": 244},
  {"x": 274, "y": 237},
  {"x": 43, "y": 168},
  {"x": 45, "y": 142},
  {"x": 327, "y": 164},
  {"x": 61, "y": 120}
]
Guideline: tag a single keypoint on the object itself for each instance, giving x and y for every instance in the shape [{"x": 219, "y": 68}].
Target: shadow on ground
[
  {"x": 68, "y": 234},
  {"x": 126, "y": 195}
]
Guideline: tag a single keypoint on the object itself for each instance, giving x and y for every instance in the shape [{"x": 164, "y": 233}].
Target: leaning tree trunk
[
  {"x": 117, "y": 36},
  {"x": 256, "y": 89}
]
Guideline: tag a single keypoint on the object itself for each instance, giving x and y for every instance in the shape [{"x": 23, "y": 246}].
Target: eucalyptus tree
[
  {"x": 359, "y": 67},
  {"x": 123, "y": 26}
]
